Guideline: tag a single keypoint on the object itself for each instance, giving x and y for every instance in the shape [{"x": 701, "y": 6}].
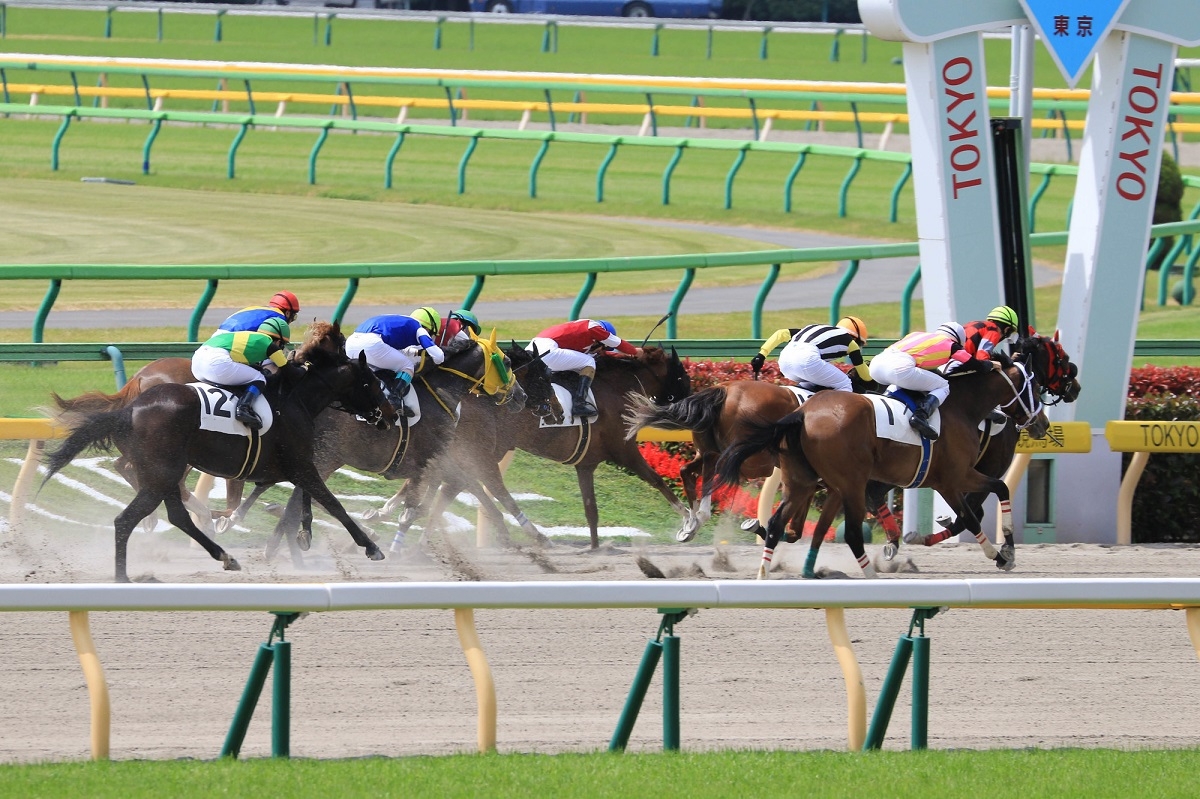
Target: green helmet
[
  {"x": 428, "y": 317},
  {"x": 468, "y": 319},
  {"x": 1004, "y": 316}
]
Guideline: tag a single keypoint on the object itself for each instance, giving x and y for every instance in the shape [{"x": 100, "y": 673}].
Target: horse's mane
[
  {"x": 322, "y": 335},
  {"x": 652, "y": 357}
]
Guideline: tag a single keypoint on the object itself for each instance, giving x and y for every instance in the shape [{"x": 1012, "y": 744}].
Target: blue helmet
[{"x": 612, "y": 331}]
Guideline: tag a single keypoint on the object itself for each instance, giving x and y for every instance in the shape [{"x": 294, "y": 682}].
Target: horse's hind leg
[
  {"x": 178, "y": 515},
  {"x": 143, "y": 503},
  {"x": 854, "y": 512},
  {"x": 877, "y": 498},
  {"x": 833, "y": 503},
  {"x": 693, "y": 474}
]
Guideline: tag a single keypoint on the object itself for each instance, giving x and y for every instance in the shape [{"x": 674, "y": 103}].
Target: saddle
[
  {"x": 564, "y": 390},
  {"x": 216, "y": 410}
]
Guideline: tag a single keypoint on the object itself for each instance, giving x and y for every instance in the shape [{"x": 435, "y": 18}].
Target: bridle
[
  {"x": 1026, "y": 397},
  {"x": 373, "y": 415}
]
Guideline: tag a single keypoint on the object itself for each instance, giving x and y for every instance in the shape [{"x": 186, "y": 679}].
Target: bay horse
[
  {"x": 832, "y": 440},
  {"x": 320, "y": 335},
  {"x": 406, "y": 451},
  {"x": 160, "y": 434},
  {"x": 654, "y": 373}
]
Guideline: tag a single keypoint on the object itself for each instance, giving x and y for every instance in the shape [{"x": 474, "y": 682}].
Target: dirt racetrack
[{"x": 396, "y": 683}]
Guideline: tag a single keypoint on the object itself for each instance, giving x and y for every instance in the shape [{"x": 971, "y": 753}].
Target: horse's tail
[
  {"x": 93, "y": 402},
  {"x": 761, "y": 436},
  {"x": 98, "y": 430},
  {"x": 698, "y": 412}
]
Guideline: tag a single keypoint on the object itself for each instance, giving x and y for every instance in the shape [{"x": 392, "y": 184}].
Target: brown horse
[
  {"x": 320, "y": 335},
  {"x": 655, "y": 373},
  {"x": 160, "y": 433},
  {"x": 832, "y": 439}
]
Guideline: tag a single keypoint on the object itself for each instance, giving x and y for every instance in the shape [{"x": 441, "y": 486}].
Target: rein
[{"x": 1031, "y": 408}]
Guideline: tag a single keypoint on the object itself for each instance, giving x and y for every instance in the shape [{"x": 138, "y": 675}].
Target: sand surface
[{"x": 396, "y": 683}]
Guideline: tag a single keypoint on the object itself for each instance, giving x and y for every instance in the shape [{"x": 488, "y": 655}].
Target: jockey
[
  {"x": 385, "y": 340},
  {"x": 282, "y": 307},
  {"x": 1001, "y": 325},
  {"x": 452, "y": 335},
  {"x": 911, "y": 362},
  {"x": 571, "y": 347},
  {"x": 805, "y": 360},
  {"x": 236, "y": 359}
]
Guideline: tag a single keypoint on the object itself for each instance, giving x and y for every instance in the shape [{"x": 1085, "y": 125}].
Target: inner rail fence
[
  {"x": 675, "y": 600},
  {"x": 589, "y": 268}
]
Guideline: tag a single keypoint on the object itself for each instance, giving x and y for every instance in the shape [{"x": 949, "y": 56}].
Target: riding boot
[
  {"x": 582, "y": 407},
  {"x": 244, "y": 412},
  {"x": 920, "y": 417},
  {"x": 997, "y": 416},
  {"x": 397, "y": 389}
]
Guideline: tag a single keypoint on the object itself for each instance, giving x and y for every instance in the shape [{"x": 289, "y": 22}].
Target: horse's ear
[{"x": 362, "y": 359}]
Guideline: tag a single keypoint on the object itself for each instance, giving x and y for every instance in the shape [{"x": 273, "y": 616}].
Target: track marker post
[
  {"x": 664, "y": 646},
  {"x": 916, "y": 648},
  {"x": 280, "y": 653}
]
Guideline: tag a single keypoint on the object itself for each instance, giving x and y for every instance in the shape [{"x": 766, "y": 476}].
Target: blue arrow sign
[{"x": 1073, "y": 29}]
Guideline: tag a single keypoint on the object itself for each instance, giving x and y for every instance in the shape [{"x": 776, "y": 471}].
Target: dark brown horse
[
  {"x": 655, "y": 373},
  {"x": 160, "y": 434},
  {"x": 319, "y": 335},
  {"x": 832, "y": 440}
]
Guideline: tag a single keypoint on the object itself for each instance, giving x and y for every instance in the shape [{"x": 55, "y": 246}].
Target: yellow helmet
[
  {"x": 855, "y": 327},
  {"x": 428, "y": 317}
]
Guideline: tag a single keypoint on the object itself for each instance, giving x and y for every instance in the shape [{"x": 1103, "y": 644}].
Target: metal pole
[
  {"x": 888, "y": 694},
  {"x": 281, "y": 700},
  {"x": 245, "y": 708},
  {"x": 637, "y": 692},
  {"x": 670, "y": 648},
  {"x": 920, "y": 693}
]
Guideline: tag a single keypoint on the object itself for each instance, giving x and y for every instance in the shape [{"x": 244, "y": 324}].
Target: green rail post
[
  {"x": 681, "y": 291},
  {"x": 550, "y": 110},
  {"x": 437, "y": 33},
  {"x": 854, "y": 167},
  {"x": 391, "y": 159},
  {"x": 118, "y": 361},
  {"x": 533, "y": 168},
  {"x": 894, "y": 210},
  {"x": 1189, "y": 270},
  {"x": 39, "y": 321},
  {"x": 245, "y": 708},
  {"x": 150, "y": 137},
  {"x": 906, "y": 301},
  {"x": 450, "y": 106},
  {"x": 790, "y": 180},
  {"x": 1036, "y": 198},
  {"x": 835, "y": 52},
  {"x": 664, "y": 646},
  {"x": 281, "y": 701},
  {"x": 160, "y": 24},
  {"x": 920, "y": 693},
  {"x": 585, "y": 291},
  {"x": 654, "y": 41},
  {"x": 462, "y": 164},
  {"x": 210, "y": 291},
  {"x": 708, "y": 47},
  {"x": 603, "y": 170},
  {"x": 888, "y": 693},
  {"x": 58, "y": 137},
  {"x": 733, "y": 170},
  {"x": 279, "y": 654},
  {"x": 316, "y": 28},
  {"x": 237, "y": 140},
  {"x": 4, "y": 24},
  {"x": 217, "y": 33},
  {"x": 760, "y": 298},
  {"x": 312, "y": 156},
  {"x": 762, "y": 50},
  {"x": 471, "y": 34},
  {"x": 476, "y": 288},
  {"x": 108, "y": 22},
  {"x": 835, "y": 305},
  {"x": 917, "y": 648},
  {"x": 666, "y": 179},
  {"x": 754, "y": 117},
  {"x": 329, "y": 29},
  {"x": 339, "y": 313},
  {"x": 857, "y": 123},
  {"x": 653, "y": 116}
]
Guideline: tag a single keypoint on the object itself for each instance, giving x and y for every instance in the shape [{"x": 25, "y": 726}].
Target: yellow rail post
[
  {"x": 93, "y": 673},
  {"x": 856, "y": 694},
  {"x": 485, "y": 687}
]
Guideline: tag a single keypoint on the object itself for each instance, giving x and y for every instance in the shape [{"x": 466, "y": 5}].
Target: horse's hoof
[
  {"x": 912, "y": 537},
  {"x": 684, "y": 535},
  {"x": 890, "y": 549},
  {"x": 374, "y": 552},
  {"x": 231, "y": 565},
  {"x": 273, "y": 508},
  {"x": 370, "y": 513},
  {"x": 304, "y": 540},
  {"x": 222, "y": 525}
]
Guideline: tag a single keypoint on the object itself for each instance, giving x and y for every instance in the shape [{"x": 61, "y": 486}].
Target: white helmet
[{"x": 955, "y": 331}]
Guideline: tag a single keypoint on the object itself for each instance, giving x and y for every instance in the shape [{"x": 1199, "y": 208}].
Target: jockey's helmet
[
  {"x": 286, "y": 301},
  {"x": 428, "y": 317},
  {"x": 275, "y": 328},
  {"x": 612, "y": 331},
  {"x": 855, "y": 327},
  {"x": 1003, "y": 316},
  {"x": 467, "y": 319},
  {"x": 955, "y": 331}
]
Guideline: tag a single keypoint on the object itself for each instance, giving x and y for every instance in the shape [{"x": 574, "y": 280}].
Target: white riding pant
[
  {"x": 900, "y": 369},
  {"x": 558, "y": 359},
  {"x": 379, "y": 354},
  {"x": 215, "y": 365},
  {"x": 801, "y": 362}
]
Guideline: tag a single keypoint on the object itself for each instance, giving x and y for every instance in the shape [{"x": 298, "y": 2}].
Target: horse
[
  {"x": 832, "y": 440},
  {"x": 160, "y": 434},
  {"x": 408, "y": 450},
  {"x": 322, "y": 335},
  {"x": 654, "y": 373}
]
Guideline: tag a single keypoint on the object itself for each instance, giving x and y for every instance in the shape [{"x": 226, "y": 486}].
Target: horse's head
[
  {"x": 352, "y": 386},
  {"x": 674, "y": 383},
  {"x": 1051, "y": 367},
  {"x": 534, "y": 376},
  {"x": 490, "y": 368},
  {"x": 321, "y": 336}
]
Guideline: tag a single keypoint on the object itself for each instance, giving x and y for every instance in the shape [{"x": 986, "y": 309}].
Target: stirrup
[
  {"x": 583, "y": 410},
  {"x": 246, "y": 415},
  {"x": 922, "y": 427}
]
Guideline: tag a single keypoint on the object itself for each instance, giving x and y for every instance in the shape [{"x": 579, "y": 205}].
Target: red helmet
[{"x": 286, "y": 301}]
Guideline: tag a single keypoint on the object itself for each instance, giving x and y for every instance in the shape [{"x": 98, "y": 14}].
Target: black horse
[{"x": 160, "y": 434}]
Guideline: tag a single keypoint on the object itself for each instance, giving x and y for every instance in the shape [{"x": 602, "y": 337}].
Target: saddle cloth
[
  {"x": 803, "y": 395},
  {"x": 567, "y": 400},
  {"x": 216, "y": 410},
  {"x": 891, "y": 420}
]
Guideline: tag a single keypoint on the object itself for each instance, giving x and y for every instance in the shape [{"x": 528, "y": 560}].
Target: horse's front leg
[
  {"x": 226, "y": 523},
  {"x": 854, "y": 512},
  {"x": 389, "y": 506},
  {"x": 877, "y": 494},
  {"x": 310, "y": 482}
]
